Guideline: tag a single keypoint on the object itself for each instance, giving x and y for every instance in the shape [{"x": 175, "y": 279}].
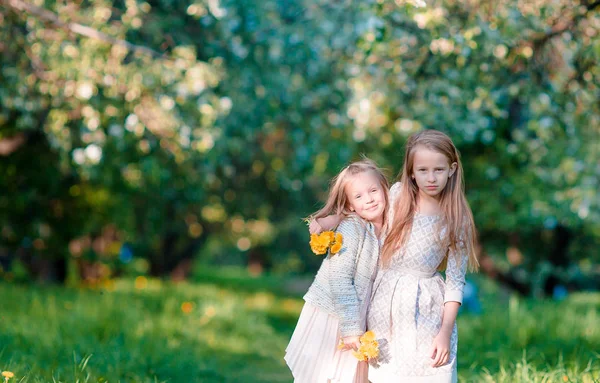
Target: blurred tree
[
  {"x": 516, "y": 85},
  {"x": 182, "y": 123}
]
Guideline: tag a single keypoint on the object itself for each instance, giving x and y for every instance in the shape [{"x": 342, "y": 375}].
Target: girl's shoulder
[
  {"x": 353, "y": 230},
  {"x": 353, "y": 223},
  {"x": 395, "y": 190}
]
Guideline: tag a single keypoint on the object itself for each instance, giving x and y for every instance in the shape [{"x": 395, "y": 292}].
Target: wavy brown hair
[
  {"x": 456, "y": 213},
  {"x": 337, "y": 200}
]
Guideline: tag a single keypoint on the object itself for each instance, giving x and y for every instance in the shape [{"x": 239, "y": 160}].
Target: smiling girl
[{"x": 337, "y": 300}]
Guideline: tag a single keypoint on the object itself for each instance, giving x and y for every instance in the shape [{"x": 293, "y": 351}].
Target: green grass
[{"x": 238, "y": 334}]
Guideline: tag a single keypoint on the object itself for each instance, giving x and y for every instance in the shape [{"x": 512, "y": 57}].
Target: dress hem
[{"x": 387, "y": 377}]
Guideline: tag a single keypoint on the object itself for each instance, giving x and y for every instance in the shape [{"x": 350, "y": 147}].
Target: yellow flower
[
  {"x": 320, "y": 243},
  {"x": 186, "y": 307},
  {"x": 327, "y": 237},
  {"x": 338, "y": 237},
  {"x": 7, "y": 375},
  {"x": 359, "y": 355},
  {"x": 369, "y": 336},
  {"x": 370, "y": 351},
  {"x": 369, "y": 347},
  {"x": 316, "y": 245},
  {"x": 336, "y": 247}
]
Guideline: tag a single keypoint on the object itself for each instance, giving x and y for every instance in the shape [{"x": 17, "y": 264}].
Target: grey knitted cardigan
[{"x": 343, "y": 281}]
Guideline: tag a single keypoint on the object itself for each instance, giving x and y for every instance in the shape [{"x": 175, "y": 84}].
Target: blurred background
[{"x": 157, "y": 159}]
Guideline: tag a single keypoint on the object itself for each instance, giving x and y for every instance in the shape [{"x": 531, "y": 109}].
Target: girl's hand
[
  {"x": 351, "y": 342},
  {"x": 314, "y": 227},
  {"x": 441, "y": 349}
]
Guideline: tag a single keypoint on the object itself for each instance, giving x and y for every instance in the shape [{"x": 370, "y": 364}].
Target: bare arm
[
  {"x": 441, "y": 343},
  {"x": 449, "y": 318}
]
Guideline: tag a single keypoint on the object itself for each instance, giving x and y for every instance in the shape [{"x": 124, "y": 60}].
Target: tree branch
[{"x": 76, "y": 28}]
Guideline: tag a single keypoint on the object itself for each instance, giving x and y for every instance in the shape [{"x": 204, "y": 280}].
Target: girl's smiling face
[
  {"x": 431, "y": 171},
  {"x": 366, "y": 196}
]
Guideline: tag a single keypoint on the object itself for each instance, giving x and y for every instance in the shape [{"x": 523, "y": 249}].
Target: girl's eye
[
  {"x": 373, "y": 190},
  {"x": 357, "y": 197}
]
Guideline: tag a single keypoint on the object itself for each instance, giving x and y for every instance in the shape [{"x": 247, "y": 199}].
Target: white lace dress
[{"x": 407, "y": 306}]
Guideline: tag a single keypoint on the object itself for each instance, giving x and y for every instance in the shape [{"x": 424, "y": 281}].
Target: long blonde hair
[
  {"x": 337, "y": 201},
  {"x": 456, "y": 213}
]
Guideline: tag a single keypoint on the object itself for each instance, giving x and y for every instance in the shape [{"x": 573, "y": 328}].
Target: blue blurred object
[
  {"x": 26, "y": 242},
  {"x": 559, "y": 293},
  {"x": 125, "y": 254},
  {"x": 470, "y": 300}
]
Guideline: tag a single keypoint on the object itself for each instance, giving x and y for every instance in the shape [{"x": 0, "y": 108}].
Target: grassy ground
[{"x": 229, "y": 327}]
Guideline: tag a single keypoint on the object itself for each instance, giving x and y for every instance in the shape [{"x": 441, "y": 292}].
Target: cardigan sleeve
[
  {"x": 342, "y": 268},
  {"x": 455, "y": 272}
]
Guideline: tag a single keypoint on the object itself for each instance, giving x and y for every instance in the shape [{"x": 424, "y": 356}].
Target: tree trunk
[
  {"x": 181, "y": 266},
  {"x": 176, "y": 264},
  {"x": 558, "y": 257}
]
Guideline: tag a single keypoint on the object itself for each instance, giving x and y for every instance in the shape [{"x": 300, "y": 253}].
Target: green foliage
[
  {"x": 150, "y": 331},
  {"x": 187, "y": 125}
]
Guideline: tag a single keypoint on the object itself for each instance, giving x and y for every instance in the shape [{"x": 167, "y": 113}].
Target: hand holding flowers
[{"x": 368, "y": 349}]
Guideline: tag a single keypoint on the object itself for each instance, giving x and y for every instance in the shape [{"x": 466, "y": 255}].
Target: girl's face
[
  {"x": 431, "y": 171},
  {"x": 366, "y": 196}
]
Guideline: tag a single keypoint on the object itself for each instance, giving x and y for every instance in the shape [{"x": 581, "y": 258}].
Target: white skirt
[
  {"x": 377, "y": 375},
  {"x": 312, "y": 354}
]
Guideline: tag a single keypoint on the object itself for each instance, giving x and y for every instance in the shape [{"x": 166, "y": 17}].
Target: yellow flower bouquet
[
  {"x": 368, "y": 350},
  {"x": 369, "y": 347},
  {"x": 327, "y": 240}
]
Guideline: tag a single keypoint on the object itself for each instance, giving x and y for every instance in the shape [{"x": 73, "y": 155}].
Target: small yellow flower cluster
[
  {"x": 327, "y": 240},
  {"x": 7, "y": 375},
  {"x": 187, "y": 307},
  {"x": 369, "y": 347}
]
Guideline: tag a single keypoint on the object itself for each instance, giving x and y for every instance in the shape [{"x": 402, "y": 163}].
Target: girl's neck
[
  {"x": 377, "y": 225},
  {"x": 427, "y": 204}
]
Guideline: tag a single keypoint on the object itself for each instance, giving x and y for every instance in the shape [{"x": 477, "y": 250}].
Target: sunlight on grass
[
  {"x": 152, "y": 331},
  {"x": 524, "y": 371}
]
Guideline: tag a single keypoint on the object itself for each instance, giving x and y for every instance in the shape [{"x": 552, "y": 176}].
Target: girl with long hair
[
  {"x": 413, "y": 309},
  {"x": 336, "y": 302},
  {"x": 430, "y": 227}
]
